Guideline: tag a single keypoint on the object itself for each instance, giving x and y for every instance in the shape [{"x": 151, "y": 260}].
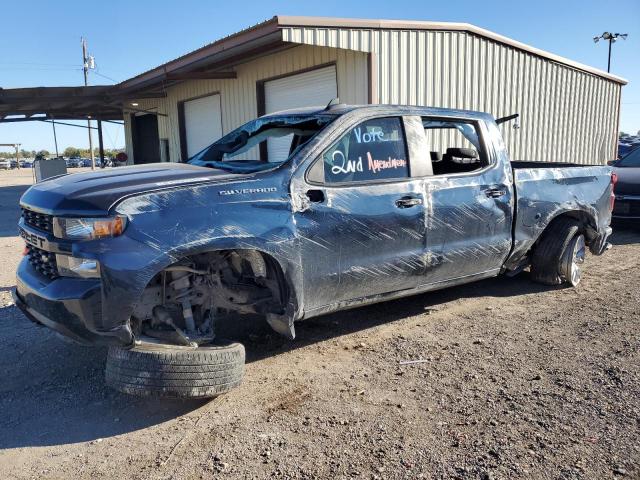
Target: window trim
[
  {"x": 320, "y": 158},
  {"x": 480, "y": 128}
]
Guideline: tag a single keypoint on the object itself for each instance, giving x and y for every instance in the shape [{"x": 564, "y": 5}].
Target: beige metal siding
[
  {"x": 238, "y": 96},
  {"x": 566, "y": 114}
]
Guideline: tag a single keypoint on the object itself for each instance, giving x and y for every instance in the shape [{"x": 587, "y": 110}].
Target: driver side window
[{"x": 374, "y": 150}]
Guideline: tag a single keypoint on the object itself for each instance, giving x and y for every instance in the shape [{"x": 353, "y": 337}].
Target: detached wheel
[
  {"x": 559, "y": 255},
  {"x": 160, "y": 370}
]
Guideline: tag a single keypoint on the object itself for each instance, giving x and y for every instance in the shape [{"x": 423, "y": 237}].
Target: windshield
[
  {"x": 631, "y": 159},
  {"x": 261, "y": 144}
]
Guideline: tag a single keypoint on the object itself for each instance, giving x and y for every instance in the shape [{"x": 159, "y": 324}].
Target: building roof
[
  {"x": 215, "y": 60},
  {"x": 264, "y": 37}
]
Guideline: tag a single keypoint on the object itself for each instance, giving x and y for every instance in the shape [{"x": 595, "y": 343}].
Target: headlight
[
  {"x": 89, "y": 228},
  {"x": 77, "y": 267}
]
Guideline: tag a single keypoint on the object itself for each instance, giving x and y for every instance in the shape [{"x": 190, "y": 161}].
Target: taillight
[{"x": 612, "y": 199}]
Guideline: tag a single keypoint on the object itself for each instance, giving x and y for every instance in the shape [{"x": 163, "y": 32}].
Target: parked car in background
[
  {"x": 362, "y": 204},
  {"x": 73, "y": 162},
  {"x": 627, "y": 143},
  {"x": 627, "y": 191},
  {"x": 5, "y": 164}
]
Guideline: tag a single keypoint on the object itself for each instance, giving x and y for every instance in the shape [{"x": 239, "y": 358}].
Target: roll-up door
[
  {"x": 313, "y": 88},
  {"x": 202, "y": 122}
]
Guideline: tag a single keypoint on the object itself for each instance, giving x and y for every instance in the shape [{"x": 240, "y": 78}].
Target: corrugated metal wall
[
  {"x": 566, "y": 114},
  {"x": 238, "y": 96}
]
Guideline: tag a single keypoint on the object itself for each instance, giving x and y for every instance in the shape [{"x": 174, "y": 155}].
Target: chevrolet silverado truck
[{"x": 290, "y": 216}]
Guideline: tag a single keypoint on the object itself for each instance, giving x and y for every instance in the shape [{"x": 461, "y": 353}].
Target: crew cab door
[
  {"x": 360, "y": 217},
  {"x": 468, "y": 201}
]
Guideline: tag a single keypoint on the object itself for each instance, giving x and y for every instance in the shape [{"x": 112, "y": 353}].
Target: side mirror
[{"x": 612, "y": 163}]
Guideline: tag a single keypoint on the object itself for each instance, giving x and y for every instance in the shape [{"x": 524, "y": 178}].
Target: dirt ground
[{"x": 519, "y": 381}]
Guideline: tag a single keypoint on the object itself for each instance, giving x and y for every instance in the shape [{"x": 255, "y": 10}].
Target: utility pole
[
  {"x": 55, "y": 137},
  {"x": 611, "y": 38},
  {"x": 85, "y": 68}
]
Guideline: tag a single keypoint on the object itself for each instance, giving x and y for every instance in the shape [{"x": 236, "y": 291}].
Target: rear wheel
[
  {"x": 560, "y": 253},
  {"x": 161, "y": 370}
]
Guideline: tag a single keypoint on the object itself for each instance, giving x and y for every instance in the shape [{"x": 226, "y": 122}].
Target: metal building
[{"x": 569, "y": 111}]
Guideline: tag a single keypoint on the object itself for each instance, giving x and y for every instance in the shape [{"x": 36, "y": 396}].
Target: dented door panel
[
  {"x": 468, "y": 228},
  {"x": 359, "y": 242}
]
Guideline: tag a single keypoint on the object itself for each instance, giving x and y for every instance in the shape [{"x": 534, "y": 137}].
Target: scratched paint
[{"x": 353, "y": 247}]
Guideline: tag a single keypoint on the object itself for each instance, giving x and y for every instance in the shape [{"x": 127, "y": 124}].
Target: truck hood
[
  {"x": 94, "y": 193},
  {"x": 628, "y": 181}
]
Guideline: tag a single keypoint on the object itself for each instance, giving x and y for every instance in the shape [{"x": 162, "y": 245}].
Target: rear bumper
[
  {"x": 626, "y": 207},
  {"x": 66, "y": 305}
]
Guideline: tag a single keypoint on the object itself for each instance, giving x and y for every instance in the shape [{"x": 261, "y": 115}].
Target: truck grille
[
  {"x": 41, "y": 221},
  {"x": 43, "y": 262}
]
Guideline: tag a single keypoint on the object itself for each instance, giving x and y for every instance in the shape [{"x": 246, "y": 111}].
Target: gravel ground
[{"x": 517, "y": 381}]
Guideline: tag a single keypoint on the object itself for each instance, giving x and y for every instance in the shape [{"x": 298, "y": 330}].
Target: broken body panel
[{"x": 322, "y": 246}]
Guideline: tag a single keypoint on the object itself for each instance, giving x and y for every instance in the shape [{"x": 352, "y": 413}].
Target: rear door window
[
  {"x": 374, "y": 150},
  {"x": 454, "y": 146}
]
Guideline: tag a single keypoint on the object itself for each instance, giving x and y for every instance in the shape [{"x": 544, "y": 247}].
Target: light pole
[
  {"x": 88, "y": 63},
  {"x": 611, "y": 37}
]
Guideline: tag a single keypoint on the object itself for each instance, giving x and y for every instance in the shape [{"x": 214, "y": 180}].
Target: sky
[{"x": 40, "y": 40}]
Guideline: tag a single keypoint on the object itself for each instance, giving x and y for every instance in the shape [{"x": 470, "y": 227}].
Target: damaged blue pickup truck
[{"x": 290, "y": 216}]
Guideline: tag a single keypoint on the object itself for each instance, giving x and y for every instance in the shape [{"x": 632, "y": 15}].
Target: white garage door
[
  {"x": 317, "y": 87},
  {"x": 202, "y": 122}
]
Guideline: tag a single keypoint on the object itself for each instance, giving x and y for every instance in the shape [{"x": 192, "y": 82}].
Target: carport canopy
[
  {"x": 52, "y": 104},
  {"x": 59, "y": 103}
]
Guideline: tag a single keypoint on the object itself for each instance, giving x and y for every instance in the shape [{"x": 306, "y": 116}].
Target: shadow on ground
[
  {"x": 53, "y": 392},
  {"x": 261, "y": 342},
  {"x": 625, "y": 233}
]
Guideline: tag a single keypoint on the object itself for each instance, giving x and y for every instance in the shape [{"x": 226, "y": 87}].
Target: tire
[
  {"x": 160, "y": 370},
  {"x": 559, "y": 254}
]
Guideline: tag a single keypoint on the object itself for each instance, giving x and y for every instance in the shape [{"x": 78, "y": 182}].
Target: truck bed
[{"x": 544, "y": 191}]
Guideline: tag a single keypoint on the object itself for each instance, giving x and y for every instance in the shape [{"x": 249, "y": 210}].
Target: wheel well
[
  {"x": 182, "y": 301},
  {"x": 587, "y": 223}
]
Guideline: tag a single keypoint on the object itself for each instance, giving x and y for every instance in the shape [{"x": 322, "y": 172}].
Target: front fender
[{"x": 167, "y": 226}]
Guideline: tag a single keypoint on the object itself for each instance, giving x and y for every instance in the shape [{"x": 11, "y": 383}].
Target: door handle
[
  {"x": 495, "y": 192},
  {"x": 315, "y": 196},
  {"x": 408, "y": 202}
]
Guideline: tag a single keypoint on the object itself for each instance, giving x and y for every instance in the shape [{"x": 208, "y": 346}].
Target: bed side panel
[{"x": 544, "y": 193}]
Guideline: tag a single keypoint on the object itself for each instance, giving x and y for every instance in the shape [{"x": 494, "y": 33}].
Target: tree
[
  {"x": 44, "y": 153},
  {"x": 71, "y": 152}
]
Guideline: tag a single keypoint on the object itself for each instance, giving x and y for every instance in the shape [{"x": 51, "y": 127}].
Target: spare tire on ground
[{"x": 160, "y": 370}]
